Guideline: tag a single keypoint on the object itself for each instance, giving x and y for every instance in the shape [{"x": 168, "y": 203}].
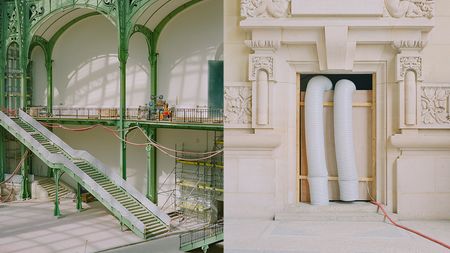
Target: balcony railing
[
  {"x": 176, "y": 115},
  {"x": 200, "y": 235}
]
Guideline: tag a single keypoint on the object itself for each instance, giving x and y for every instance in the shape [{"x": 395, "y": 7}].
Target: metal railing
[
  {"x": 176, "y": 115},
  {"x": 13, "y": 113},
  {"x": 196, "y": 236}
]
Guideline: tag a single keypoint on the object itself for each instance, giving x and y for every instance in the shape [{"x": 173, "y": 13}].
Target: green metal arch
[
  {"x": 160, "y": 27},
  {"x": 97, "y": 9},
  {"x": 148, "y": 34},
  {"x": 61, "y": 31},
  {"x": 38, "y": 41}
]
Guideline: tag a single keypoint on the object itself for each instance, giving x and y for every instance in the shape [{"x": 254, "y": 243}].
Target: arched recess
[
  {"x": 38, "y": 80},
  {"x": 85, "y": 65},
  {"x": 138, "y": 71},
  {"x": 183, "y": 67}
]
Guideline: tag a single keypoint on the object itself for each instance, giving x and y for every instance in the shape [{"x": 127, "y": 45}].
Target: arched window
[{"x": 12, "y": 77}]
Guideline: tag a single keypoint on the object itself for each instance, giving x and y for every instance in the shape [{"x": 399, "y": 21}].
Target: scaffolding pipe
[
  {"x": 343, "y": 139},
  {"x": 315, "y": 143}
]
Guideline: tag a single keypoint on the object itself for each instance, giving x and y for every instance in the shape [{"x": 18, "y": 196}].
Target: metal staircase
[{"x": 131, "y": 207}]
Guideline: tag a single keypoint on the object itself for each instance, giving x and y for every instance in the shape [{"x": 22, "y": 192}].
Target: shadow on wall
[
  {"x": 86, "y": 67},
  {"x": 186, "y": 44}
]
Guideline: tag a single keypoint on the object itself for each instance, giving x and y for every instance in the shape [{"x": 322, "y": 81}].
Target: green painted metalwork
[
  {"x": 203, "y": 243},
  {"x": 25, "y": 192},
  {"x": 57, "y": 175},
  {"x": 124, "y": 35},
  {"x": 43, "y": 10},
  {"x": 2, "y": 155},
  {"x": 152, "y": 182},
  {"x": 79, "y": 203},
  {"x": 128, "y": 123}
]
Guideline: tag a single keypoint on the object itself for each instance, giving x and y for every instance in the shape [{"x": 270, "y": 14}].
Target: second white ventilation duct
[
  {"x": 343, "y": 138},
  {"x": 315, "y": 143}
]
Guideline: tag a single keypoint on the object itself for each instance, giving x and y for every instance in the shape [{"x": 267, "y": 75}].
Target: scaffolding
[{"x": 199, "y": 186}]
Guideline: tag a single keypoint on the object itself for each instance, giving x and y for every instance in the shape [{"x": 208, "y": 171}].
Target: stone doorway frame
[{"x": 384, "y": 184}]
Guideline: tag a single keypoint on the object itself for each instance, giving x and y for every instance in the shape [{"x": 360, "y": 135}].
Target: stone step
[
  {"x": 333, "y": 207},
  {"x": 335, "y": 211},
  {"x": 351, "y": 216}
]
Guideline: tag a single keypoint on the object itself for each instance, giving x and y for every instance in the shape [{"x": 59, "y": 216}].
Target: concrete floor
[
  {"x": 252, "y": 236},
  {"x": 29, "y": 226}
]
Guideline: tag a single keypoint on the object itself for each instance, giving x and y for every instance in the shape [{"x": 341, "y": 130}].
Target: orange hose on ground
[{"x": 409, "y": 229}]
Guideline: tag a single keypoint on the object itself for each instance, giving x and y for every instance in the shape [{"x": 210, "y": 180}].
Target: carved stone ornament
[
  {"x": 238, "y": 105},
  {"x": 258, "y": 62},
  {"x": 435, "y": 105},
  {"x": 411, "y": 63},
  {"x": 410, "y": 8},
  {"x": 263, "y": 44},
  {"x": 409, "y": 44},
  {"x": 265, "y": 8}
]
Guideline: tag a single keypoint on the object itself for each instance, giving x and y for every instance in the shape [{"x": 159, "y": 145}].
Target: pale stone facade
[{"x": 404, "y": 44}]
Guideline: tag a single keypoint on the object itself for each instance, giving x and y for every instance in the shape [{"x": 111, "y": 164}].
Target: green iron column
[
  {"x": 49, "y": 68},
  {"x": 79, "y": 203},
  {"x": 124, "y": 28},
  {"x": 123, "y": 144},
  {"x": 152, "y": 182},
  {"x": 24, "y": 27},
  {"x": 2, "y": 155},
  {"x": 25, "y": 186},
  {"x": 57, "y": 175}
]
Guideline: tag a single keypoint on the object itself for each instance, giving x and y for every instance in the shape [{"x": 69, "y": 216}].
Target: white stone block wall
[{"x": 375, "y": 38}]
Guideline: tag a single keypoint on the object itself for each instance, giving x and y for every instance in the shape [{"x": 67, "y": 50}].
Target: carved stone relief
[
  {"x": 435, "y": 105},
  {"x": 258, "y": 62},
  {"x": 410, "y": 8},
  {"x": 238, "y": 105},
  {"x": 411, "y": 63},
  {"x": 265, "y": 8}
]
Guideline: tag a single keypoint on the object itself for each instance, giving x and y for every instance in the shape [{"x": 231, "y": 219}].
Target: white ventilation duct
[
  {"x": 343, "y": 139},
  {"x": 315, "y": 141}
]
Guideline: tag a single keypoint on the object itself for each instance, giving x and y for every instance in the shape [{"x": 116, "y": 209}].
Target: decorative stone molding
[
  {"x": 406, "y": 63},
  {"x": 258, "y": 62},
  {"x": 265, "y": 8},
  {"x": 435, "y": 105},
  {"x": 238, "y": 106},
  {"x": 410, "y": 8},
  {"x": 409, "y": 45},
  {"x": 272, "y": 45}
]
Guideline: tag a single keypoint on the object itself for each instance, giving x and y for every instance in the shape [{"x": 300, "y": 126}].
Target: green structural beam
[
  {"x": 123, "y": 144},
  {"x": 25, "y": 191},
  {"x": 49, "y": 68},
  {"x": 2, "y": 155},
  {"x": 79, "y": 203},
  {"x": 57, "y": 175},
  {"x": 152, "y": 177},
  {"x": 124, "y": 29}
]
